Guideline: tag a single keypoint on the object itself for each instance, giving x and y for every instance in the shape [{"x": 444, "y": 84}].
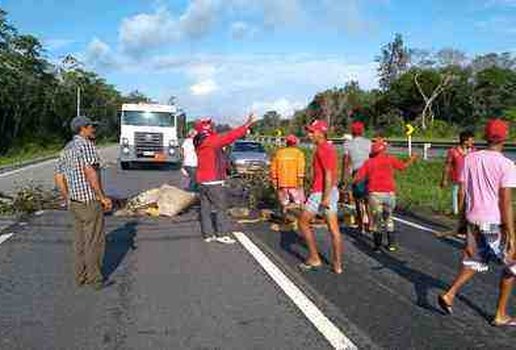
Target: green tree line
[
  {"x": 439, "y": 92},
  {"x": 38, "y": 97}
]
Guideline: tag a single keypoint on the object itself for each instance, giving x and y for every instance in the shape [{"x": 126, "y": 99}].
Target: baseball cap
[
  {"x": 357, "y": 128},
  {"x": 81, "y": 121},
  {"x": 291, "y": 140},
  {"x": 496, "y": 130},
  {"x": 203, "y": 124},
  {"x": 378, "y": 147},
  {"x": 317, "y": 125}
]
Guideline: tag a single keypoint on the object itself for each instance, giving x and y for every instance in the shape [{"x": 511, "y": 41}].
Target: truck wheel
[{"x": 125, "y": 165}]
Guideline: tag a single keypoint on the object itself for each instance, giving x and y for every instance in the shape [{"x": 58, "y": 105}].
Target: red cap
[
  {"x": 203, "y": 124},
  {"x": 496, "y": 130},
  {"x": 291, "y": 140},
  {"x": 378, "y": 147},
  {"x": 357, "y": 128},
  {"x": 317, "y": 125}
]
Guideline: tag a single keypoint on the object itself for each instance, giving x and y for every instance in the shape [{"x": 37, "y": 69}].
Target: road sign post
[{"x": 409, "y": 130}]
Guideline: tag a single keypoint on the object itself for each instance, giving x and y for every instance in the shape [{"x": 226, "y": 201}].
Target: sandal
[
  {"x": 447, "y": 308},
  {"x": 510, "y": 322},
  {"x": 307, "y": 267}
]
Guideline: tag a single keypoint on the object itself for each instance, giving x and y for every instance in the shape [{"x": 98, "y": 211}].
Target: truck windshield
[{"x": 139, "y": 118}]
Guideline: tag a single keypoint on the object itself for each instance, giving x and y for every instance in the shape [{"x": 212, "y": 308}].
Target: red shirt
[
  {"x": 379, "y": 172},
  {"x": 455, "y": 157},
  {"x": 325, "y": 159},
  {"x": 211, "y": 163}
]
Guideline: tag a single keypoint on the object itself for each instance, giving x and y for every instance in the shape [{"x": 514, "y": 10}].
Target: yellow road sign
[{"x": 409, "y": 129}]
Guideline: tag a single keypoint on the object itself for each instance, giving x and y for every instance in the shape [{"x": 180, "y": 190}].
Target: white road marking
[
  {"x": 12, "y": 172},
  {"x": 424, "y": 228},
  {"x": 5, "y": 237},
  {"x": 332, "y": 334}
]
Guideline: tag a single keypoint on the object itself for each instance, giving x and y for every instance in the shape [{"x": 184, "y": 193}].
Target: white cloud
[
  {"x": 147, "y": 31},
  {"x": 99, "y": 54},
  {"x": 203, "y": 88},
  {"x": 242, "y": 30},
  {"x": 283, "y": 106},
  {"x": 200, "y": 17}
]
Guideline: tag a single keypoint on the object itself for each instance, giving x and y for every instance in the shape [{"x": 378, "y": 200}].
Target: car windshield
[
  {"x": 148, "y": 118},
  {"x": 248, "y": 147}
]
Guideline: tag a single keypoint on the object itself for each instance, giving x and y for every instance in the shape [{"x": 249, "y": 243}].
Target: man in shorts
[
  {"x": 356, "y": 152},
  {"x": 323, "y": 199},
  {"x": 486, "y": 180},
  {"x": 287, "y": 173}
]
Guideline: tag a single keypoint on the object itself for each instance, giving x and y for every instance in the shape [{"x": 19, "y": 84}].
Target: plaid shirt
[{"x": 77, "y": 154}]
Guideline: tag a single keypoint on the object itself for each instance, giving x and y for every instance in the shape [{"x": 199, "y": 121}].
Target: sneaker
[
  {"x": 209, "y": 239},
  {"x": 225, "y": 240},
  {"x": 392, "y": 248}
]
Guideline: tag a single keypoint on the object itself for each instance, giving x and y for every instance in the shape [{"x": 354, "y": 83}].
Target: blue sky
[{"x": 225, "y": 58}]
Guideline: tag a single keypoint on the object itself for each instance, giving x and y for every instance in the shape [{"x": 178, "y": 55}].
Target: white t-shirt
[{"x": 190, "y": 157}]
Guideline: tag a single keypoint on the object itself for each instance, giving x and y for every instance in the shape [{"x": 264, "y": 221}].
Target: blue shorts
[
  {"x": 313, "y": 203},
  {"x": 484, "y": 244}
]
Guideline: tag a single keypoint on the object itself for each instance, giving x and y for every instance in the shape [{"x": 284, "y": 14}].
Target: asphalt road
[{"x": 173, "y": 291}]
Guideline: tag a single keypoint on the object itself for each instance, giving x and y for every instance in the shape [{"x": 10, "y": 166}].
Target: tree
[
  {"x": 393, "y": 61},
  {"x": 137, "y": 97}
]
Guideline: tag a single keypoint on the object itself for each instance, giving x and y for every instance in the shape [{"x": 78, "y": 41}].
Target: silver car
[{"x": 248, "y": 156}]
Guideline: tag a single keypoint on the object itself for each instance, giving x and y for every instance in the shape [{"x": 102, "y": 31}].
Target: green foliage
[{"x": 38, "y": 98}]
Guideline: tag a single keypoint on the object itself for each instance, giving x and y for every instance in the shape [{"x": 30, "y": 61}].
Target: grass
[
  {"x": 32, "y": 151},
  {"x": 29, "y": 152}
]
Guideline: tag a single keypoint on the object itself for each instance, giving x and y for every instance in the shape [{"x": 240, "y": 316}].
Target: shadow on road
[
  {"x": 118, "y": 243},
  {"x": 422, "y": 282}
]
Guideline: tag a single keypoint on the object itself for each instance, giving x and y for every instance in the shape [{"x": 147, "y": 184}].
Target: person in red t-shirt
[
  {"x": 381, "y": 187},
  {"x": 323, "y": 199},
  {"x": 211, "y": 173},
  {"x": 454, "y": 164}
]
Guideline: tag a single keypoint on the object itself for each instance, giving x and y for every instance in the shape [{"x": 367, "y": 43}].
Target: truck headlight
[
  {"x": 173, "y": 143},
  {"x": 125, "y": 150},
  {"x": 125, "y": 141},
  {"x": 172, "y": 151}
]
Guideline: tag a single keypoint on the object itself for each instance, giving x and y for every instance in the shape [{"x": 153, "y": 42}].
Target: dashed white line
[
  {"x": 327, "y": 328},
  {"x": 12, "y": 172},
  {"x": 5, "y": 237}
]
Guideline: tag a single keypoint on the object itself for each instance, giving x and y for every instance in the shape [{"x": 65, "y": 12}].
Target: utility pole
[{"x": 78, "y": 100}]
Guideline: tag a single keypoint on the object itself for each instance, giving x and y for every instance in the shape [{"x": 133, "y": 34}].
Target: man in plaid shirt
[{"x": 77, "y": 175}]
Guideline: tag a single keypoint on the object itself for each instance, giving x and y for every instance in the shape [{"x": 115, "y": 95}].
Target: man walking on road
[
  {"x": 287, "y": 173},
  {"x": 486, "y": 180},
  {"x": 77, "y": 175},
  {"x": 324, "y": 198},
  {"x": 454, "y": 164},
  {"x": 211, "y": 173},
  {"x": 356, "y": 152}
]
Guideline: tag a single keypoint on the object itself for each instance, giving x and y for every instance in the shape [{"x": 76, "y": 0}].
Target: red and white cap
[
  {"x": 317, "y": 125},
  {"x": 291, "y": 140},
  {"x": 203, "y": 124},
  {"x": 496, "y": 130}
]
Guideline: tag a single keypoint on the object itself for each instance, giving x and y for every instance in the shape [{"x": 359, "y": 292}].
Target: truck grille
[{"x": 147, "y": 144}]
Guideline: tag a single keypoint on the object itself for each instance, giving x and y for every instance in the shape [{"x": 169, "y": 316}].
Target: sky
[{"x": 227, "y": 58}]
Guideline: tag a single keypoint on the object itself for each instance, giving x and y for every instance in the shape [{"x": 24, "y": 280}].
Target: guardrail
[{"x": 424, "y": 147}]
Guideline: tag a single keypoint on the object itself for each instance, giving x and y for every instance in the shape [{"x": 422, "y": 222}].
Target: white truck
[{"x": 150, "y": 133}]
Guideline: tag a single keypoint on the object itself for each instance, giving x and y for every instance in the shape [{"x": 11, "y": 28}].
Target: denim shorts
[
  {"x": 313, "y": 203},
  {"x": 484, "y": 244}
]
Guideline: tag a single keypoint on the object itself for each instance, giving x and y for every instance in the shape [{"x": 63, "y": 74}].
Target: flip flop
[
  {"x": 307, "y": 267},
  {"x": 510, "y": 322},
  {"x": 444, "y": 305}
]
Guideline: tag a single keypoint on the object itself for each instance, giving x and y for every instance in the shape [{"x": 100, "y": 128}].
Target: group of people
[{"x": 482, "y": 182}]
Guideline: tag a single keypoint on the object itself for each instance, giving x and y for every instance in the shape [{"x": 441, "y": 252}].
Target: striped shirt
[{"x": 76, "y": 155}]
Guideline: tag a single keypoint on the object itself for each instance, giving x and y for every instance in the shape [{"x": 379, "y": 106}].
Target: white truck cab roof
[{"x": 148, "y": 107}]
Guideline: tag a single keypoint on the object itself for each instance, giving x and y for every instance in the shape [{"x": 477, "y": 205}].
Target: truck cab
[{"x": 150, "y": 133}]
